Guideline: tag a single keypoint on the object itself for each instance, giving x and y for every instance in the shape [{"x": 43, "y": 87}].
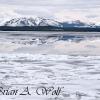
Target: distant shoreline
[{"x": 49, "y": 28}]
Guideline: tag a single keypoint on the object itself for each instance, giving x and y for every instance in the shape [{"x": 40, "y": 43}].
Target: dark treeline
[
  {"x": 48, "y": 28},
  {"x": 29, "y": 28}
]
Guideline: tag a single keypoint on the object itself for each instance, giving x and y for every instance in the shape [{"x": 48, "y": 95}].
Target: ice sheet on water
[
  {"x": 75, "y": 73},
  {"x": 68, "y": 60}
]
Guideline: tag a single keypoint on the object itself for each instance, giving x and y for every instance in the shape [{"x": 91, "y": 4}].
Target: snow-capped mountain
[
  {"x": 32, "y": 22},
  {"x": 24, "y": 21},
  {"x": 77, "y": 23}
]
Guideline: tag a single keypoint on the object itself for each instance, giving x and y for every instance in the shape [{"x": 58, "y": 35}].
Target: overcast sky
[{"x": 84, "y": 10}]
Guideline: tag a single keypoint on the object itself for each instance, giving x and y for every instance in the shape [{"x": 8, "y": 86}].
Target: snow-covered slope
[
  {"x": 32, "y": 22},
  {"x": 77, "y": 23},
  {"x": 38, "y": 21}
]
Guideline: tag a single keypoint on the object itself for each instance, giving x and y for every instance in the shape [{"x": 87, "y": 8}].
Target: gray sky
[{"x": 84, "y": 10}]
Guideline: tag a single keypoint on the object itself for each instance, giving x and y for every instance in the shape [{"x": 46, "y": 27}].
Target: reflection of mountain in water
[{"x": 50, "y": 43}]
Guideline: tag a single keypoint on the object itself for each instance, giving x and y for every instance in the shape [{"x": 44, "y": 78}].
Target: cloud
[
  {"x": 7, "y": 12},
  {"x": 59, "y": 9},
  {"x": 89, "y": 16}
]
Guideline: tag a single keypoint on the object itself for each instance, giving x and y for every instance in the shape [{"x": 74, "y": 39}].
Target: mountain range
[
  {"x": 40, "y": 23},
  {"x": 44, "y": 22},
  {"x": 31, "y": 22}
]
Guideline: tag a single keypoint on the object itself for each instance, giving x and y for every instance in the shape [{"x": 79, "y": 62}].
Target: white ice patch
[
  {"x": 30, "y": 60},
  {"x": 77, "y": 74}
]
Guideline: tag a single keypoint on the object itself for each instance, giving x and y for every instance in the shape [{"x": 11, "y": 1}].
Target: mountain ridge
[
  {"x": 43, "y": 24},
  {"x": 32, "y": 22},
  {"x": 38, "y": 21}
]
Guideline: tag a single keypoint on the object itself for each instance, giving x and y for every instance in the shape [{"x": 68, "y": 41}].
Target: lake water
[{"x": 59, "y": 59}]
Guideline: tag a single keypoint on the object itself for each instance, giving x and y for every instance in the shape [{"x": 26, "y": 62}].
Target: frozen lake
[{"x": 59, "y": 59}]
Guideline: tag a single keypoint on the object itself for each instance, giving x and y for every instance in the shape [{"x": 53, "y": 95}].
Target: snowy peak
[
  {"x": 47, "y": 22},
  {"x": 77, "y": 23},
  {"x": 20, "y": 22},
  {"x": 38, "y": 21},
  {"x": 32, "y": 22}
]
